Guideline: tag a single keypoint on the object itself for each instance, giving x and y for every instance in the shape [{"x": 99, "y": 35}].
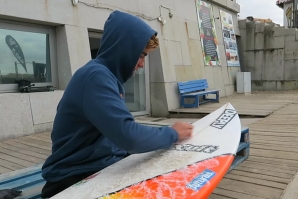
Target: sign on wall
[
  {"x": 207, "y": 33},
  {"x": 229, "y": 39}
]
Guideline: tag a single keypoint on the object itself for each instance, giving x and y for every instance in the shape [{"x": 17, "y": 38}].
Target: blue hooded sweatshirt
[{"x": 93, "y": 127}]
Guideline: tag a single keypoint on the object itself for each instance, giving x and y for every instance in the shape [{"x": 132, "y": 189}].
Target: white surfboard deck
[{"x": 217, "y": 134}]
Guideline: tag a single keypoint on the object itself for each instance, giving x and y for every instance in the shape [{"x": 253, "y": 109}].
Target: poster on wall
[
  {"x": 229, "y": 39},
  {"x": 207, "y": 33}
]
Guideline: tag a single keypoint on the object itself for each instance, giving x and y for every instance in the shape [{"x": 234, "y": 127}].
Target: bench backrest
[{"x": 192, "y": 86}]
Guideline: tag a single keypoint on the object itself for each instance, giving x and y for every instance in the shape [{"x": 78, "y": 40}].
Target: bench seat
[{"x": 193, "y": 90}]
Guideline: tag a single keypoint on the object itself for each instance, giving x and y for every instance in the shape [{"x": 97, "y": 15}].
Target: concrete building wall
[
  {"x": 223, "y": 77},
  {"x": 178, "y": 59},
  {"x": 270, "y": 54},
  {"x": 24, "y": 114}
]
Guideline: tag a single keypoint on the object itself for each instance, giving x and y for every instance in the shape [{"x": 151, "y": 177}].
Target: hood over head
[{"x": 124, "y": 39}]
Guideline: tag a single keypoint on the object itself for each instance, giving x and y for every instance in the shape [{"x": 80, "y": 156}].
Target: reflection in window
[{"x": 24, "y": 55}]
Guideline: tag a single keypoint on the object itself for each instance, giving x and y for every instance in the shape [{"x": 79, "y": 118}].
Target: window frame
[{"x": 34, "y": 28}]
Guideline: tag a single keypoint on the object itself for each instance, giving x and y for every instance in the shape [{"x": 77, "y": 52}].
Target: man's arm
[{"x": 107, "y": 111}]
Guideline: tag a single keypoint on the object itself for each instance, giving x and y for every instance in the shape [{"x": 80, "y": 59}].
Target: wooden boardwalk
[
  {"x": 273, "y": 160},
  {"x": 260, "y": 104},
  {"x": 272, "y": 164},
  {"x": 24, "y": 152}
]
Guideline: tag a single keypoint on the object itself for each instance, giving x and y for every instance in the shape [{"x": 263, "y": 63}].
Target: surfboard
[{"x": 189, "y": 169}]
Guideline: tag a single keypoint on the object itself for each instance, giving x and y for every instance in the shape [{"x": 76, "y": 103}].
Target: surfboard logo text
[
  {"x": 224, "y": 119},
  {"x": 194, "y": 148},
  {"x": 198, "y": 182}
]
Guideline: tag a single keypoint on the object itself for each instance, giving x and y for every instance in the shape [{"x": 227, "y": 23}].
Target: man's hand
[
  {"x": 183, "y": 129},
  {"x": 9, "y": 193}
]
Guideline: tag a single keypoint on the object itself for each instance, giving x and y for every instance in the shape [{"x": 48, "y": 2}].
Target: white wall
[{"x": 27, "y": 113}]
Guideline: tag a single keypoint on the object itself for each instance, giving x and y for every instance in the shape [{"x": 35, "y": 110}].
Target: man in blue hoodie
[{"x": 93, "y": 128}]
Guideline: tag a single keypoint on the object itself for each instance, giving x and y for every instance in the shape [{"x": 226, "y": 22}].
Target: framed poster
[
  {"x": 229, "y": 39},
  {"x": 207, "y": 33}
]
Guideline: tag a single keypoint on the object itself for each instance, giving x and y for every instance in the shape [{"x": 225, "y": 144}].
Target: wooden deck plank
[
  {"x": 260, "y": 176},
  {"x": 43, "y": 135},
  {"x": 4, "y": 170},
  {"x": 10, "y": 165},
  {"x": 264, "y": 172},
  {"x": 269, "y": 127},
  {"x": 47, "y": 140},
  {"x": 283, "y": 140},
  {"x": 32, "y": 144},
  {"x": 18, "y": 161},
  {"x": 21, "y": 156},
  {"x": 275, "y": 138},
  {"x": 272, "y": 129},
  {"x": 276, "y": 168},
  {"x": 284, "y": 114},
  {"x": 256, "y": 181},
  {"x": 274, "y": 134},
  {"x": 233, "y": 194},
  {"x": 274, "y": 147},
  {"x": 272, "y": 125},
  {"x": 261, "y": 166},
  {"x": 278, "y": 122},
  {"x": 281, "y": 165},
  {"x": 273, "y": 161},
  {"x": 250, "y": 188},
  {"x": 38, "y": 142},
  {"x": 282, "y": 144},
  {"x": 275, "y": 116},
  {"x": 274, "y": 154},
  {"x": 25, "y": 152},
  {"x": 215, "y": 196},
  {"x": 28, "y": 147}
]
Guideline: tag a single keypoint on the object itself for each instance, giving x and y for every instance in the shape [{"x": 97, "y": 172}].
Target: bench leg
[
  {"x": 212, "y": 100},
  {"x": 217, "y": 96},
  {"x": 184, "y": 105}
]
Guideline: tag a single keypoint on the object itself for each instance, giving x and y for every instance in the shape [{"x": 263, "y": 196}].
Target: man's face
[{"x": 141, "y": 61}]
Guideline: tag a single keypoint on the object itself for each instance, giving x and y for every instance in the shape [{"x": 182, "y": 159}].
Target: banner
[
  {"x": 16, "y": 50},
  {"x": 229, "y": 39},
  {"x": 207, "y": 33}
]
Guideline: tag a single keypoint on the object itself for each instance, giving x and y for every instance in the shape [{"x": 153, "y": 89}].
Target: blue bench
[{"x": 193, "y": 90}]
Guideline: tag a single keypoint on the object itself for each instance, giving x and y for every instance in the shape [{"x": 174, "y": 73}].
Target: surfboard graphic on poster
[{"x": 190, "y": 169}]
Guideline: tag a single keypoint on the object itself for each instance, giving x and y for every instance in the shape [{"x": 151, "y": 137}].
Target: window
[
  {"x": 26, "y": 53},
  {"x": 94, "y": 40}
]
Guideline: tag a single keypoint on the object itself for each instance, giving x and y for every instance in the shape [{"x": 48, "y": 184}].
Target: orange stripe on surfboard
[{"x": 195, "y": 181}]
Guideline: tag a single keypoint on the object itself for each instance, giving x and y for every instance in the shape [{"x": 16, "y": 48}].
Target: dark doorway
[{"x": 94, "y": 40}]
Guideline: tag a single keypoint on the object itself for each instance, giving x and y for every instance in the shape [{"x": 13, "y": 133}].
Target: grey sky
[{"x": 261, "y": 9}]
